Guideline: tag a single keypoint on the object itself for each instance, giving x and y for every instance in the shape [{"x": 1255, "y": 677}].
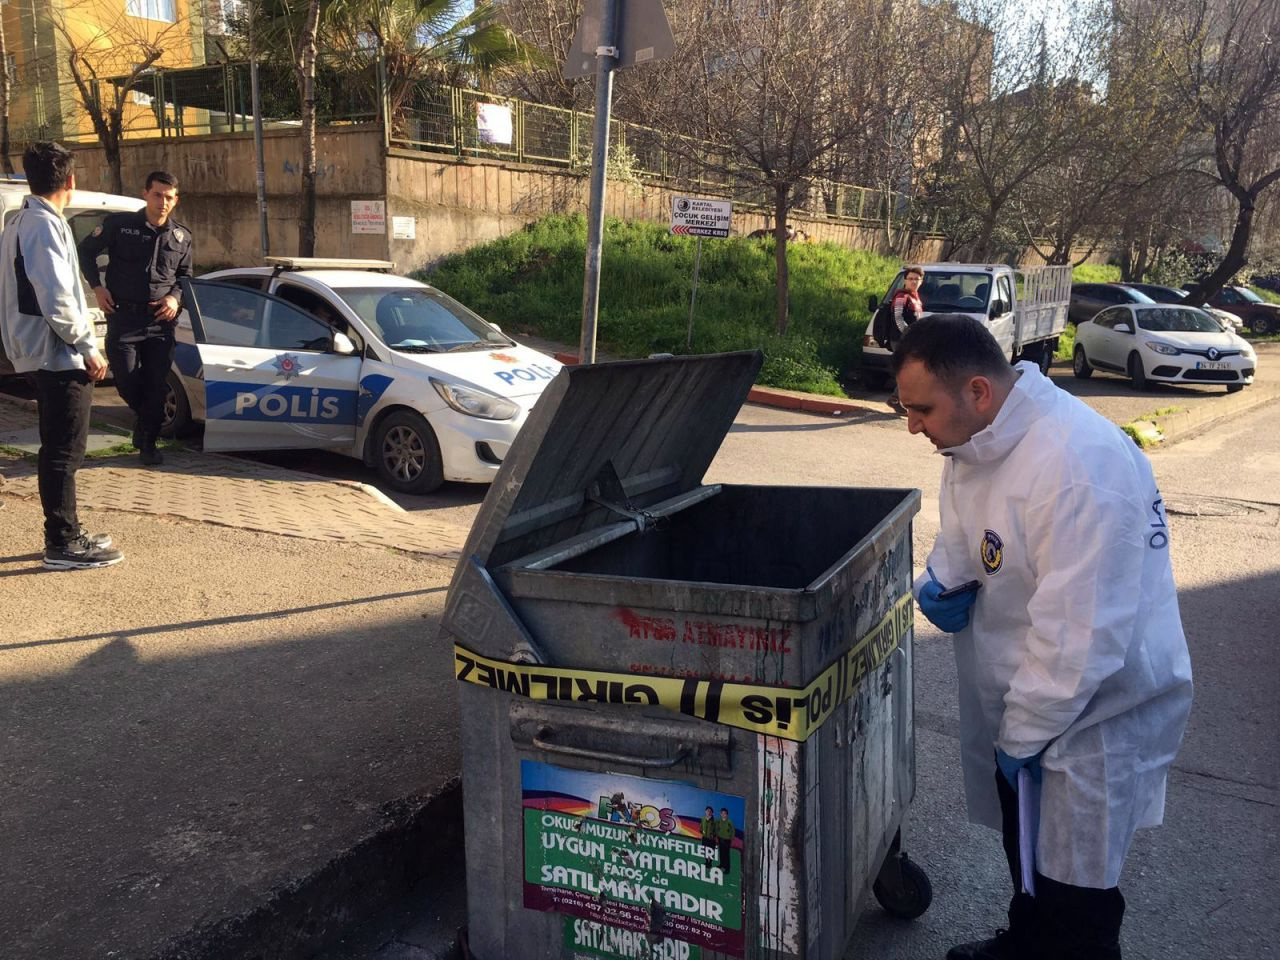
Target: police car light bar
[{"x": 327, "y": 263}]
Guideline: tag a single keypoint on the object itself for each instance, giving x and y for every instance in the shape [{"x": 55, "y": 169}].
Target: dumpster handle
[{"x": 542, "y": 742}]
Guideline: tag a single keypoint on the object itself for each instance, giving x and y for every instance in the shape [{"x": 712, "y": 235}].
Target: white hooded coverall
[{"x": 1074, "y": 643}]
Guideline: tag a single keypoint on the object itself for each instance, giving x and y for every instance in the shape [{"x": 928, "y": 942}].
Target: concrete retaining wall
[{"x": 454, "y": 204}]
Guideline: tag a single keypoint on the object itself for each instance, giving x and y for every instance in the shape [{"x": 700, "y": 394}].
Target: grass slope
[{"x": 531, "y": 282}]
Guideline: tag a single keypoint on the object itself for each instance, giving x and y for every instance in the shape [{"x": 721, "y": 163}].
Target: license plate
[{"x": 1212, "y": 365}]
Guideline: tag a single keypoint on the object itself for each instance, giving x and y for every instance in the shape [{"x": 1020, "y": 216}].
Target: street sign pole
[
  {"x": 693, "y": 295},
  {"x": 606, "y": 57}
]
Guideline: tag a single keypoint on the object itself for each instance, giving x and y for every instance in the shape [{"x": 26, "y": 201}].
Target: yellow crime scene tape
[{"x": 776, "y": 711}]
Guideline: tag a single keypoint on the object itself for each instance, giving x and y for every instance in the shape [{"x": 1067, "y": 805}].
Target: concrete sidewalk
[{"x": 236, "y": 741}]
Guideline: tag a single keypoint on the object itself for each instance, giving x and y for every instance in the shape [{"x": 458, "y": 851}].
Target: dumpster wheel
[{"x": 903, "y": 888}]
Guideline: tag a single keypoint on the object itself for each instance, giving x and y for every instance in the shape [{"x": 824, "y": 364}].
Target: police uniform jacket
[{"x": 145, "y": 262}]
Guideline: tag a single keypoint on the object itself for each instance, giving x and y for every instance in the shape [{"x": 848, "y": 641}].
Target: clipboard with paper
[{"x": 1028, "y": 828}]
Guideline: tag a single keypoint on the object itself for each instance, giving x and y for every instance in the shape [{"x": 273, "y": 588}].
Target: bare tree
[
  {"x": 107, "y": 56},
  {"x": 547, "y": 26},
  {"x": 751, "y": 99},
  {"x": 1222, "y": 58},
  {"x": 1015, "y": 101}
]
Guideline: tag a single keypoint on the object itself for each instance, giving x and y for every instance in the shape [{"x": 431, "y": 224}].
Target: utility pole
[
  {"x": 606, "y": 57},
  {"x": 260, "y": 173}
]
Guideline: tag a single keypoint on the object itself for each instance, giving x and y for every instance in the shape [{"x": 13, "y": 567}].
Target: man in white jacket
[
  {"x": 1073, "y": 667},
  {"x": 47, "y": 334}
]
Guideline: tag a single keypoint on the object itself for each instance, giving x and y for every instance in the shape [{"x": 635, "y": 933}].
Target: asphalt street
[
  {"x": 1203, "y": 886},
  {"x": 255, "y": 724}
]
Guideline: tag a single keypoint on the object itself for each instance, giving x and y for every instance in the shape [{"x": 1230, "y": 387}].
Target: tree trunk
[
  {"x": 307, "y": 88},
  {"x": 1234, "y": 259},
  {"x": 4, "y": 101},
  {"x": 781, "y": 191}
]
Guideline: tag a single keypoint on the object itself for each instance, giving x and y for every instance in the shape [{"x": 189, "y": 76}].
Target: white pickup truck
[{"x": 1025, "y": 309}]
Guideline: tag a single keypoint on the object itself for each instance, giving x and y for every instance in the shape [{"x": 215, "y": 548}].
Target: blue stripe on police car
[{"x": 238, "y": 401}]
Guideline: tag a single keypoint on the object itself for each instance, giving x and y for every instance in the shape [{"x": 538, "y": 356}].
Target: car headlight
[
  {"x": 475, "y": 403},
  {"x": 1164, "y": 348}
]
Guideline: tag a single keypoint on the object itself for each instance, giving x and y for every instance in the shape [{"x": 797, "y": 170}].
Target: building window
[{"x": 152, "y": 9}]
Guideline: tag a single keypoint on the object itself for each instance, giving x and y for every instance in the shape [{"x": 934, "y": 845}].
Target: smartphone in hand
[{"x": 969, "y": 586}]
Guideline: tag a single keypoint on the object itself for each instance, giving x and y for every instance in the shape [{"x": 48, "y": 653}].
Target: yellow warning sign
[{"x": 777, "y": 711}]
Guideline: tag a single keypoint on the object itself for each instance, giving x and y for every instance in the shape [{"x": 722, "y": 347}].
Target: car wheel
[
  {"x": 1234, "y": 387},
  {"x": 1080, "y": 364},
  {"x": 1264, "y": 325},
  {"x": 177, "y": 409},
  {"x": 1045, "y": 360},
  {"x": 1138, "y": 373},
  {"x": 406, "y": 453}
]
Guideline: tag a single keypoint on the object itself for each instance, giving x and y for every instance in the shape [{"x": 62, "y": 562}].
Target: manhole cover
[{"x": 1186, "y": 505}]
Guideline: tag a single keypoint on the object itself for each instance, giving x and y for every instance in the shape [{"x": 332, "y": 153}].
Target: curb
[
  {"x": 1178, "y": 426},
  {"x": 776, "y": 397},
  {"x": 307, "y": 913}
]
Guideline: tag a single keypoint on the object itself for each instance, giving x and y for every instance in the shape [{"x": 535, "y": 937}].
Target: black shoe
[
  {"x": 999, "y": 947},
  {"x": 80, "y": 554},
  {"x": 102, "y": 541},
  {"x": 150, "y": 456}
]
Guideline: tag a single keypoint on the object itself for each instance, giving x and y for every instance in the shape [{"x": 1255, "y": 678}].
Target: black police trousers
[
  {"x": 64, "y": 399},
  {"x": 140, "y": 350},
  {"x": 1061, "y": 922}
]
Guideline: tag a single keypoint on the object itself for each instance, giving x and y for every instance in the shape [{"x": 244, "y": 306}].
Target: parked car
[
  {"x": 1088, "y": 298},
  {"x": 1162, "y": 294},
  {"x": 1258, "y": 315},
  {"x": 85, "y": 212},
  {"x": 1163, "y": 343},
  {"x": 344, "y": 355}
]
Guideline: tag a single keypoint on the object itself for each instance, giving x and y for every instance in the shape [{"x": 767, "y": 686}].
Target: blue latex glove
[
  {"x": 950, "y": 615},
  {"x": 1009, "y": 766}
]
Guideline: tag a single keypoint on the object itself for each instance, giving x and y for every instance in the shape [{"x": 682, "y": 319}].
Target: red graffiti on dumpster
[{"x": 756, "y": 637}]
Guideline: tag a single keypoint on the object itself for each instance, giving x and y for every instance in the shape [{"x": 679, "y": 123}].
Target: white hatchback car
[
  {"x": 1165, "y": 343},
  {"x": 344, "y": 355},
  {"x": 85, "y": 212}
]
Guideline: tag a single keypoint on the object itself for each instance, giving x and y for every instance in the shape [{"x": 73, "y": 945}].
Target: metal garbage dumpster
[{"x": 686, "y": 709}]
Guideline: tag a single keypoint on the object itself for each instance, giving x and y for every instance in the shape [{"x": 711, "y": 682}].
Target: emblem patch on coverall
[{"x": 992, "y": 552}]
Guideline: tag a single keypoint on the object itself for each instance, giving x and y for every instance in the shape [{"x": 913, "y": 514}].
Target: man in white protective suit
[{"x": 1074, "y": 676}]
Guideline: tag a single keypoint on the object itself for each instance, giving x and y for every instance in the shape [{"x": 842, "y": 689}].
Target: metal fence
[{"x": 215, "y": 99}]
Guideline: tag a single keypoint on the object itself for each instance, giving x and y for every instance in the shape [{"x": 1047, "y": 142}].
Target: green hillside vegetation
[
  {"x": 1096, "y": 273},
  {"x": 531, "y": 282}
]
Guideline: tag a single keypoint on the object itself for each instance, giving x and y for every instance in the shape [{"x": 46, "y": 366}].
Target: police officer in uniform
[{"x": 147, "y": 252}]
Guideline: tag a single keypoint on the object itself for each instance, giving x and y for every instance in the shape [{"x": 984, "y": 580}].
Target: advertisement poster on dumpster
[
  {"x": 657, "y": 857},
  {"x": 588, "y": 940}
]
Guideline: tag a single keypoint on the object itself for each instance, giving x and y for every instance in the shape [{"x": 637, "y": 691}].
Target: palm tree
[
  {"x": 431, "y": 41},
  {"x": 423, "y": 42}
]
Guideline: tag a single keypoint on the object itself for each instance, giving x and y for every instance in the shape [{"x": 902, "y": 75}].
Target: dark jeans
[
  {"x": 725, "y": 847},
  {"x": 1061, "y": 922},
  {"x": 64, "y": 400},
  {"x": 140, "y": 357}
]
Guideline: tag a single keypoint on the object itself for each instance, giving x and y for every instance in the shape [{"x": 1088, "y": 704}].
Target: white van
[{"x": 86, "y": 211}]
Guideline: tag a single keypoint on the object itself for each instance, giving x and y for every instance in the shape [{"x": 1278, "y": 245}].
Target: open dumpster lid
[{"x": 630, "y": 434}]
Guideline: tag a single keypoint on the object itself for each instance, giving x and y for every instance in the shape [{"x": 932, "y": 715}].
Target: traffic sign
[
  {"x": 694, "y": 217},
  {"x": 643, "y": 35}
]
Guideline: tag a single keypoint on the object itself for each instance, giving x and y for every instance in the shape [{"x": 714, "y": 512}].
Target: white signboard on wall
[
  {"x": 404, "y": 228},
  {"x": 368, "y": 216},
  {"x": 493, "y": 123}
]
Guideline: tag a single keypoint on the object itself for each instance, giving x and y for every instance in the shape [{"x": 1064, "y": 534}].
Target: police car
[
  {"x": 345, "y": 355},
  {"x": 85, "y": 213}
]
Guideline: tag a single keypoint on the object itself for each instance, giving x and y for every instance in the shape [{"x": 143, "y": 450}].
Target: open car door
[{"x": 275, "y": 376}]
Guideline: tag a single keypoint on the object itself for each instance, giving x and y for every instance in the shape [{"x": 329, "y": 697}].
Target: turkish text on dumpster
[{"x": 658, "y": 857}]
